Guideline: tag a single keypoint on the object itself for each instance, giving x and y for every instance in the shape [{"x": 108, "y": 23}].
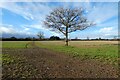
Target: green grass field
[
  {"x": 104, "y": 50},
  {"x": 14, "y": 44}
]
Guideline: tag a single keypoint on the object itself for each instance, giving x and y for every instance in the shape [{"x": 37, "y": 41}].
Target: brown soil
[{"x": 48, "y": 64}]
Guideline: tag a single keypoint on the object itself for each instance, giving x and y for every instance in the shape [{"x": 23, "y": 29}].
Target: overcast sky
[{"x": 25, "y": 19}]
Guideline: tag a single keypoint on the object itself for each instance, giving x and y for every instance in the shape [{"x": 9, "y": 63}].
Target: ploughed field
[{"x": 51, "y": 59}]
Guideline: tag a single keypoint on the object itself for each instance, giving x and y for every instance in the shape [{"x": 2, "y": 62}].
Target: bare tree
[
  {"x": 115, "y": 37},
  {"x": 67, "y": 20},
  {"x": 87, "y": 38},
  {"x": 40, "y": 35}
]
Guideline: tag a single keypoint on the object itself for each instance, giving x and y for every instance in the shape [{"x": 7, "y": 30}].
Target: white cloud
[
  {"x": 98, "y": 12},
  {"x": 13, "y": 7},
  {"x": 26, "y": 29},
  {"x": 55, "y": 34},
  {"x": 37, "y": 11},
  {"x": 103, "y": 12},
  {"x": 38, "y": 28},
  {"x": 59, "y": 0},
  {"x": 34, "y": 26},
  {"x": 106, "y": 29},
  {"x": 108, "y": 32},
  {"x": 7, "y": 29},
  {"x": 29, "y": 11},
  {"x": 12, "y": 30}
]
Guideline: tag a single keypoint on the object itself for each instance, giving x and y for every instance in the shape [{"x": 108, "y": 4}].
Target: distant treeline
[
  {"x": 95, "y": 39},
  {"x": 30, "y": 39},
  {"x": 52, "y": 38}
]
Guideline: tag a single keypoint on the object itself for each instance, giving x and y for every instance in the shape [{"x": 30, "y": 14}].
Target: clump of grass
[{"x": 6, "y": 59}]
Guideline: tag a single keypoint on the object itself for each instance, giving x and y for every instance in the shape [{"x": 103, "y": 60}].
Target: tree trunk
[{"x": 66, "y": 40}]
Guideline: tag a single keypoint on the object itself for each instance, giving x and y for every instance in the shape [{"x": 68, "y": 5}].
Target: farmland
[{"x": 50, "y": 59}]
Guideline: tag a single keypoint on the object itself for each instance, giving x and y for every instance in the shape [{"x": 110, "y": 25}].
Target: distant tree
[
  {"x": 87, "y": 38},
  {"x": 96, "y": 39},
  {"x": 54, "y": 38},
  {"x": 99, "y": 38},
  {"x": 40, "y": 35},
  {"x": 13, "y": 38},
  {"x": 28, "y": 38},
  {"x": 67, "y": 20},
  {"x": 76, "y": 38},
  {"x": 115, "y": 37}
]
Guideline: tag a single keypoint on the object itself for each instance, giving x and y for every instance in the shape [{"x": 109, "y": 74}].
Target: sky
[{"x": 25, "y": 19}]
